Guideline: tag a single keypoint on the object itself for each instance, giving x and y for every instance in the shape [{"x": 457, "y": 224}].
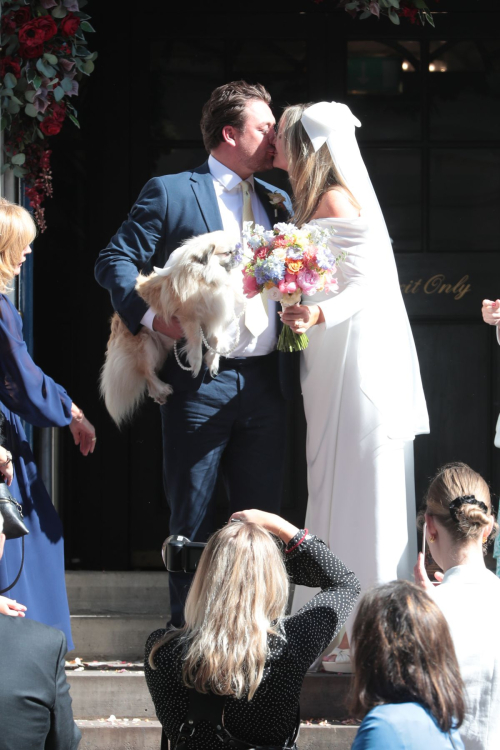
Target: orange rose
[{"x": 294, "y": 266}]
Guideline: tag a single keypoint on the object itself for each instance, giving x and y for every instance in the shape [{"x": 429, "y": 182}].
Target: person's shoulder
[
  {"x": 44, "y": 638},
  {"x": 336, "y": 204},
  {"x": 178, "y": 178},
  {"x": 152, "y": 639}
]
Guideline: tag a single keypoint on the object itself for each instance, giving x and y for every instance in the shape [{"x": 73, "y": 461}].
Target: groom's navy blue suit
[{"x": 235, "y": 422}]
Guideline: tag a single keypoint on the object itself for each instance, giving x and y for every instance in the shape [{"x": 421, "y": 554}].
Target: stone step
[
  {"x": 116, "y": 592},
  {"x": 145, "y": 735},
  {"x": 125, "y": 694},
  {"x": 111, "y": 637}
]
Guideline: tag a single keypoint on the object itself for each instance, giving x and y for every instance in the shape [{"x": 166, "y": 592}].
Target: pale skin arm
[
  {"x": 270, "y": 521},
  {"x": 82, "y": 430},
  {"x": 173, "y": 329},
  {"x": 491, "y": 311},
  {"x": 334, "y": 204}
]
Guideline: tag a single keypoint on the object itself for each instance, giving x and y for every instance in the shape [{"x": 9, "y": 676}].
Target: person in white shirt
[
  {"x": 459, "y": 523},
  {"x": 236, "y": 422}
]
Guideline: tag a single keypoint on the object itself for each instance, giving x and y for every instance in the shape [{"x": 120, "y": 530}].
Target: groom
[{"x": 236, "y": 422}]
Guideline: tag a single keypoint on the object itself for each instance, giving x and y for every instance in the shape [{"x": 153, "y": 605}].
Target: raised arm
[{"x": 130, "y": 250}]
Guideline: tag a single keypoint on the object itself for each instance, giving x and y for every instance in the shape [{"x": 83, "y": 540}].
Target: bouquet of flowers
[{"x": 286, "y": 262}]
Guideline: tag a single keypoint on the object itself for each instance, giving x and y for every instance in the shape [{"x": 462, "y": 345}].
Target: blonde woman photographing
[
  {"x": 237, "y": 649},
  {"x": 360, "y": 377}
]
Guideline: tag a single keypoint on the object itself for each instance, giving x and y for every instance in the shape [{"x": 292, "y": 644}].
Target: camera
[{"x": 180, "y": 555}]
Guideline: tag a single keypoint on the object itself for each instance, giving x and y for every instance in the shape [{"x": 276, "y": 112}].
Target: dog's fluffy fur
[{"x": 197, "y": 290}]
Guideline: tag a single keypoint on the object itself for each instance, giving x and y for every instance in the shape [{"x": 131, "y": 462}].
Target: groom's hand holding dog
[{"x": 173, "y": 330}]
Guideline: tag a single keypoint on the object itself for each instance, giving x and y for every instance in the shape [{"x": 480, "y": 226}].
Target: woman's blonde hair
[
  {"x": 17, "y": 230},
  {"x": 456, "y": 482},
  {"x": 238, "y": 596},
  {"x": 312, "y": 173}
]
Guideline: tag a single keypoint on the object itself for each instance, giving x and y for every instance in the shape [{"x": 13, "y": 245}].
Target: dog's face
[{"x": 201, "y": 263}]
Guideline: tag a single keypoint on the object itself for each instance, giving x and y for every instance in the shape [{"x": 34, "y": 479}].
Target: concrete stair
[{"x": 112, "y": 616}]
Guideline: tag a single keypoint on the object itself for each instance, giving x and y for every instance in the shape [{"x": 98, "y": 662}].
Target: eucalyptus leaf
[
  {"x": 29, "y": 95},
  {"x": 59, "y": 93},
  {"x": 394, "y": 3},
  {"x": 88, "y": 67},
  {"x": 3, "y": 123},
  {"x": 12, "y": 47},
  {"x": 30, "y": 74},
  {"x": 93, "y": 56},
  {"x": 73, "y": 119},
  {"x": 39, "y": 133},
  {"x": 351, "y": 6},
  {"x": 10, "y": 80},
  {"x": 82, "y": 51},
  {"x": 365, "y": 14},
  {"x": 85, "y": 26},
  {"x": 31, "y": 110},
  {"x": 420, "y": 4},
  {"x": 13, "y": 107},
  {"x": 51, "y": 59},
  {"x": 384, "y": 3},
  {"x": 60, "y": 12},
  {"x": 5, "y": 167},
  {"x": 19, "y": 159},
  {"x": 394, "y": 17},
  {"x": 16, "y": 100},
  {"x": 429, "y": 19},
  {"x": 37, "y": 82},
  {"x": 19, "y": 171},
  {"x": 66, "y": 84},
  {"x": 7, "y": 92}
]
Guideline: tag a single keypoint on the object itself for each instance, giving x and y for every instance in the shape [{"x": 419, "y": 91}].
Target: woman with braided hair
[{"x": 459, "y": 523}]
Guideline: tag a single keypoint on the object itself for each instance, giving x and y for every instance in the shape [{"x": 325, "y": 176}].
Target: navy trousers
[{"x": 235, "y": 424}]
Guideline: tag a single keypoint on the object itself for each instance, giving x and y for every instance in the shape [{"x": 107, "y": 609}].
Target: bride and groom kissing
[{"x": 359, "y": 376}]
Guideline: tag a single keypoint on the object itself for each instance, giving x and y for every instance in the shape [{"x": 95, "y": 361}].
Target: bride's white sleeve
[{"x": 359, "y": 274}]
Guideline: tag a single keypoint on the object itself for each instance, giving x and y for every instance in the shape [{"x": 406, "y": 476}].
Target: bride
[{"x": 363, "y": 395}]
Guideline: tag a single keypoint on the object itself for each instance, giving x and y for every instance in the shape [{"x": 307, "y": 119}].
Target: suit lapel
[
  {"x": 203, "y": 189},
  {"x": 274, "y": 213}
]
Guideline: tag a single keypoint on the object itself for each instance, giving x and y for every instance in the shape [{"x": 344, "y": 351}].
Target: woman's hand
[
  {"x": 491, "y": 312},
  {"x": 11, "y": 608},
  {"x": 302, "y": 317},
  {"x": 269, "y": 521},
  {"x": 421, "y": 577},
  {"x": 6, "y": 465},
  {"x": 83, "y": 432}
]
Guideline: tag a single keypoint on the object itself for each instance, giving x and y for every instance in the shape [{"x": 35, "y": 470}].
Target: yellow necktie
[{"x": 255, "y": 313}]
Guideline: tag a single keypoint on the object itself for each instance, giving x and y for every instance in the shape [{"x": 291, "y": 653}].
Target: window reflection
[
  {"x": 464, "y": 199},
  {"x": 395, "y": 174},
  {"x": 464, "y": 85},
  {"x": 383, "y": 88}
]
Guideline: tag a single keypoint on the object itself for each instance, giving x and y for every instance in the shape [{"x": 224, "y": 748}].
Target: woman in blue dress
[
  {"x": 407, "y": 684},
  {"x": 26, "y": 393}
]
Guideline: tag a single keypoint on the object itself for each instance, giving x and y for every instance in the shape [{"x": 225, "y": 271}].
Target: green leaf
[
  {"x": 5, "y": 167},
  {"x": 29, "y": 95},
  {"x": 51, "y": 59},
  {"x": 82, "y": 51},
  {"x": 30, "y": 74},
  {"x": 85, "y": 26},
  {"x": 429, "y": 19},
  {"x": 351, "y": 6},
  {"x": 16, "y": 100},
  {"x": 37, "y": 82},
  {"x": 46, "y": 70},
  {"x": 19, "y": 171},
  {"x": 31, "y": 110},
  {"x": 394, "y": 3},
  {"x": 10, "y": 80},
  {"x": 420, "y": 4},
  {"x": 7, "y": 92},
  {"x": 60, "y": 12},
  {"x": 73, "y": 120},
  {"x": 39, "y": 133},
  {"x": 88, "y": 67},
  {"x": 365, "y": 14},
  {"x": 66, "y": 84},
  {"x": 93, "y": 56},
  {"x": 394, "y": 17},
  {"x": 59, "y": 93},
  {"x": 3, "y": 123},
  {"x": 19, "y": 159}
]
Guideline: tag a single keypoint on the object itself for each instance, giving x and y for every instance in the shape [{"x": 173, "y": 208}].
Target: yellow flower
[
  {"x": 294, "y": 266},
  {"x": 268, "y": 285}
]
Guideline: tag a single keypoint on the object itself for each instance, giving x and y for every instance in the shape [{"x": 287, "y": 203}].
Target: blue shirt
[{"x": 403, "y": 726}]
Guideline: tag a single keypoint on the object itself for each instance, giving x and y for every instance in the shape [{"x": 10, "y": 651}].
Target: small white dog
[{"x": 196, "y": 287}]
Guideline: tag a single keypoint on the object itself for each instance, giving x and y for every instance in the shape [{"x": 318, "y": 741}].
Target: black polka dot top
[{"x": 269, "y": 718}]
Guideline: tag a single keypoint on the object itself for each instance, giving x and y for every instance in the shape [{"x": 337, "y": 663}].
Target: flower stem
[{"x": 291, "y": 342}]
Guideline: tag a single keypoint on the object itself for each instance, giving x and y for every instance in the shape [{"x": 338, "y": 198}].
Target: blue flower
[
  {"x": 294, "y": 252},
  {"x": 269, "y": 269},
  {"x": 325, "y": 259}
]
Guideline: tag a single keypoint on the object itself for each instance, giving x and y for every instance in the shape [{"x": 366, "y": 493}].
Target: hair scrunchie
[{"x": 465, "y": 500}]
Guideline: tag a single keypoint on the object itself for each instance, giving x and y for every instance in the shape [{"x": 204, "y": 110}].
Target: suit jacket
[
  {"x": 169, "y": 210},
  {"x": 35, "y": 705}
]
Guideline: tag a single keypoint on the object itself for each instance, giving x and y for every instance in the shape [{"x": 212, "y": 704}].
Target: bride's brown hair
[{"x": 312, "y": 173}]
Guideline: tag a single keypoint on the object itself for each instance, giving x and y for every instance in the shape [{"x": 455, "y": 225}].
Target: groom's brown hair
[{"x": 226, "y": 106}]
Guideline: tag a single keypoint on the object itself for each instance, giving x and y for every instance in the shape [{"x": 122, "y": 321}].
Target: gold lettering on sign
[{"x": 438, "y": 284}]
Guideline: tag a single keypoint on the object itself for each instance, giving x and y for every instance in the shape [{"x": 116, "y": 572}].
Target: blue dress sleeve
[
  {"x": 24, "y": 387},
  {"x": 375, "y": 733}
]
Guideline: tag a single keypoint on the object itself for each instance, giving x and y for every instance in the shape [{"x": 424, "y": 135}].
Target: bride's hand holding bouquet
[{"x": 284, "y": 263}]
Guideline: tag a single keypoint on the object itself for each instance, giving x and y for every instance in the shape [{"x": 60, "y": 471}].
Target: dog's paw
[
  {"x": 195, "y": 359},
  {"x": 159, "y": 394},
  {"x": 214, "y": 365}
]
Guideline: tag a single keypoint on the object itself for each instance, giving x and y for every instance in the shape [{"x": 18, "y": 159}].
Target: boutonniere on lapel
[{"x": 278, "y": 201}]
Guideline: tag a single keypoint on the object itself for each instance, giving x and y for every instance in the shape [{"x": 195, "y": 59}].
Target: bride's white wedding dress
[{"x": 364, "y": 404}]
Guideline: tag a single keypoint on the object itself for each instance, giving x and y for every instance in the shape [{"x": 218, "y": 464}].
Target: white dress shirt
[
  {"x": 230, "y": 201},
  {"x": 469, "y": 598}
]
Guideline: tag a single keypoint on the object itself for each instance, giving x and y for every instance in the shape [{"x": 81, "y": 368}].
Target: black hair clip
[{"x": 465, "y": 500}]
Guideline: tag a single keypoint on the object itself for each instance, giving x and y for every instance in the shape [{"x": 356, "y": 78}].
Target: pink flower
[
  {"x": 250, "y": 286},
  {"x": 289, "y": 284},
  {"x": 308, "y": 281},
  {"x": 330, "y": 284}
]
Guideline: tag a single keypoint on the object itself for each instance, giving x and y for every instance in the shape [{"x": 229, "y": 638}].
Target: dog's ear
[{"x": 207, "y": 254}]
